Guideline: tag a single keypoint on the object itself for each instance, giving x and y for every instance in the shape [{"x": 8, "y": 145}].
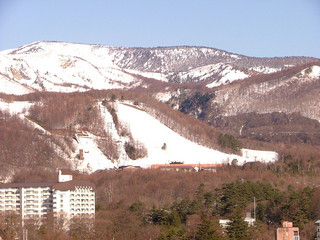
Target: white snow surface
[
  {"x": 94, "y": 159},
  {"x": 163, "y": 96},
  {"x": 314, "y": 73},
  {"x": 152, "y": 75},
  {"x": 203, "y": 73},
  {"x": 260, "y": 156},
  {"x": 61, "y": 67},
  {"x": 16, "y": 107},
  {"x": 154, "y": 134},
  {"x": 12, "y": 87},
  {"x": 265, "y": 70},
  {"x": 228, "y": 75}
]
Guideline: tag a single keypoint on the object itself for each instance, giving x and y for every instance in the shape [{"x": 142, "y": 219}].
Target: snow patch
[
  {"x": 163, "y": 96},
  {"x": 260, "y": 156},
  {"x": 264, "y": 69},
  {"x": 15, "y": 107},
  {"x": 313, "y": 72},
  {"x": 228, "y": 75}
]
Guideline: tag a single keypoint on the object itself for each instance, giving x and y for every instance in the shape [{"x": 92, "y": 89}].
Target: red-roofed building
[
  {"x": 186, "y": 167},
  {"x": 287, "y": 232}
]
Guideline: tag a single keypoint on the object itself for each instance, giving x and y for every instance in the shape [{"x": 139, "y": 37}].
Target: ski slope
[{"x": 154, "y": 134}]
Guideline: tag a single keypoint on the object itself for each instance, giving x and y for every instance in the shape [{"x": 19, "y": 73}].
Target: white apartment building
[
  {"x": 67, "y": 197},
  {"x": 318, "y": 230}
]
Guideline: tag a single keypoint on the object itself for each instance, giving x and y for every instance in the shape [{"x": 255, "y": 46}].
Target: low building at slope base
[{"x": 186, "y": 167}]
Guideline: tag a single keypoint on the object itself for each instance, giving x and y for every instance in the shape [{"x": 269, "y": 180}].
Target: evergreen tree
[
  {"x": 237, "y": 228},
  {"x": 207, "y": 230}
]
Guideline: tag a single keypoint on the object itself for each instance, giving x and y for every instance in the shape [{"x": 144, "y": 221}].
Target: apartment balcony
[
  {"x": 10, "y": 193},
  {"x": 47, "y": 206},
  {"x": 31, "y": 211},
  {"x": 9, "y": 197},
  {"x": 31, "y": 201},
  {"x": 30, "y": 196},
  {"x": 8, "y": 207}
]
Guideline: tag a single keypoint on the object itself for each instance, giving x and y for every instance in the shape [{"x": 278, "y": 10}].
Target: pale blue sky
[{"x": 250, "y": 27}]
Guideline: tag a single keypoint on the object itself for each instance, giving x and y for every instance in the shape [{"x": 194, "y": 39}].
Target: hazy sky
[{"x": 250, "y": 27}]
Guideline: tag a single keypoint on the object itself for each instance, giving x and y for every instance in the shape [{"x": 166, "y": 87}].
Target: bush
[{"x": 135, "y": 150}]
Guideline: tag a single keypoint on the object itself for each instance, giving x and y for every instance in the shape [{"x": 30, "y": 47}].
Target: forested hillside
[
  {"x": 178, "y": 205},
  {"x": 23, "y": 147}
]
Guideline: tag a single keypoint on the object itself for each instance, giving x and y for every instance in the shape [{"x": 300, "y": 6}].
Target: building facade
[
  {"x": 318, "y": 230},
  {"x": 287, "y": 232},
  {"x": 67, "y": 198},
  {"x": 186, "y": 167}
]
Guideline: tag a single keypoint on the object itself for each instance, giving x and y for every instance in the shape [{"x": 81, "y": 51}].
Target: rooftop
[{"x": 67, "y": 185}]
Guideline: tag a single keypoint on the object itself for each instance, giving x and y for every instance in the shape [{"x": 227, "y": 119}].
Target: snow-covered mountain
[
  {"x": 69, "y": 67},
  {"x": 60, "y": 67},
  {"x": 290, "y": 92}
]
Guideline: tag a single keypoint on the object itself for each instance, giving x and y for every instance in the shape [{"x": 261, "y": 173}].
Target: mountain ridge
[{"x": 48, "y": 65}]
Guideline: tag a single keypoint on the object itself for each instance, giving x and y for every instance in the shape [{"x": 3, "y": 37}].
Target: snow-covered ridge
[
  {"x": 69, "y": 67},
  {"x": 228, "y": 75}
]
